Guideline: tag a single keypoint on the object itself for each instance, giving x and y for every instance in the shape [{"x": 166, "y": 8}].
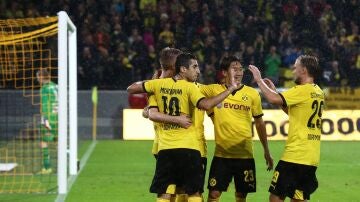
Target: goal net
[{"x": 37, "y": 100}]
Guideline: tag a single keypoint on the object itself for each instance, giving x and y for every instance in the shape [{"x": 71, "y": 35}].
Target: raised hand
[
  {"x": 255, "y": 72},
  {"x": 270, "y": 84}
]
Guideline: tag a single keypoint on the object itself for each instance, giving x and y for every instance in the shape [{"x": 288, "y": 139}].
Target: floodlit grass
[
  {"x": 26, "y": 184},
  {"x": 121, "y": 171}
]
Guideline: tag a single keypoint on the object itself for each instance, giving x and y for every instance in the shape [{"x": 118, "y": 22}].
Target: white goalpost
[
  {"x": 38, "y": 85},
  {"x": 67, "y": 93}
]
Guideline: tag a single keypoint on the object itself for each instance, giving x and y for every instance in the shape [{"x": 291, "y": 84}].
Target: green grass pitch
[{"x": 121, "y": 171}]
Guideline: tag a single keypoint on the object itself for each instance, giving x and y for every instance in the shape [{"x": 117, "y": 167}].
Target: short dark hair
[
  {"x": 183, "y": 60},
  {"x": 168, "y": 57},
  {"x": 43, "y": 73},
  {"x": 227, "y": 60},
  {"x": 311, "y": 63}
]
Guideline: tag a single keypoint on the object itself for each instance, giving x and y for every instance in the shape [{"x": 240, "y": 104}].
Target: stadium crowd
[{"x": 119, "y": 40}]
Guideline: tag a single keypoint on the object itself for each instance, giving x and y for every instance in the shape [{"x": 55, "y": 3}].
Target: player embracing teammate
[{"x": 180, "y": 133}]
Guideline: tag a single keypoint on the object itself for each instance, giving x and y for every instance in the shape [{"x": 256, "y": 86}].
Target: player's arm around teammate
[
  {"x": 205, "y": 103},
  {"x": 181, "y": 91}
]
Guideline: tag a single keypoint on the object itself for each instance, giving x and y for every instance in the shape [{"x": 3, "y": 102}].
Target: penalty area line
[{"x": 72, "y": 178}]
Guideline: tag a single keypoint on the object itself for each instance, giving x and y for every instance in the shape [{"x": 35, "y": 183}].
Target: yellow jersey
[
  {"x": 232, "y": 120},
  {"x": 152, "y": 103},
  {"x": 175, "y": 97},
  {"x": 305, "y": 106},
  {"x": 199, "y": 124}
]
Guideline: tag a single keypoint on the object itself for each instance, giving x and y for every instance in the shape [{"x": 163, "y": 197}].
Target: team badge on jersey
[{"x": 245, "y": 97}]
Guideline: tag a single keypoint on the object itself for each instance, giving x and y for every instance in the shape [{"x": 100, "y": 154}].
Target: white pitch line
[{"x": 72, "y": 178}]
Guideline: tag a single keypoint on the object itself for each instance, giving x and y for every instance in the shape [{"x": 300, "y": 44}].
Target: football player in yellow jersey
[
  {"x": 294, "y": 175},
  {"x": 198, "y": 122},
  {"x": 232, "y": 120},
  {"x": 179, "y": 159},
  {"x": 167, "y": 60}
]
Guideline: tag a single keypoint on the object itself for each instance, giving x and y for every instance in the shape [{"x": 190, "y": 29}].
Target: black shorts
[
  {"x": 293, "y": 180},
  {"x": 222, "y": 171},
  {"x": 177, "y": 167},
  {"x": 203, "y": 173}
]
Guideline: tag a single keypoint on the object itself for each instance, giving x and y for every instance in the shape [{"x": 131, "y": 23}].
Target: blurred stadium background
[{"x": 118, "y": 43}]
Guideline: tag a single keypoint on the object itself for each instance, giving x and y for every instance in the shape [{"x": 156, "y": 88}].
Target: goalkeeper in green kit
[{"x": 49, "y": 116}]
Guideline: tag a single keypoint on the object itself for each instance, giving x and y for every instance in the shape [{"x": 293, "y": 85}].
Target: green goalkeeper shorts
[{"x": 49, "y": 135}]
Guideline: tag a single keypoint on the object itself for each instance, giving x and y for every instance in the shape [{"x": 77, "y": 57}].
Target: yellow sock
[
  {"x": 213, "y": 200},
  {"x": 181, "y": 198},
  {"x": 238, "y": 199},
  {"x": 195, "y": 199},
  {"x": 162, "y": 200}
]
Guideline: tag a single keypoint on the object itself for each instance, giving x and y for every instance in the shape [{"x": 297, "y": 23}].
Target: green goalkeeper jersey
[{"x": 49, "y": 102}]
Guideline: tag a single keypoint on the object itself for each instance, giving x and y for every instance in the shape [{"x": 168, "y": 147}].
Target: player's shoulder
[
  {"x": 162, "y": 80},
  {"x": 317, "y": 87},
  {"x": 298, "y": 88},
  {"x": 250, "y": 89},
  {"x": 317, "y": 92},
  {"x": 49, "y": 86},
  {"x": 212, "y": 86},
  {"x": 53, "y": 85},
  {"x": 306, "y": 88},
  {"x": 198, "y": 84}
]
